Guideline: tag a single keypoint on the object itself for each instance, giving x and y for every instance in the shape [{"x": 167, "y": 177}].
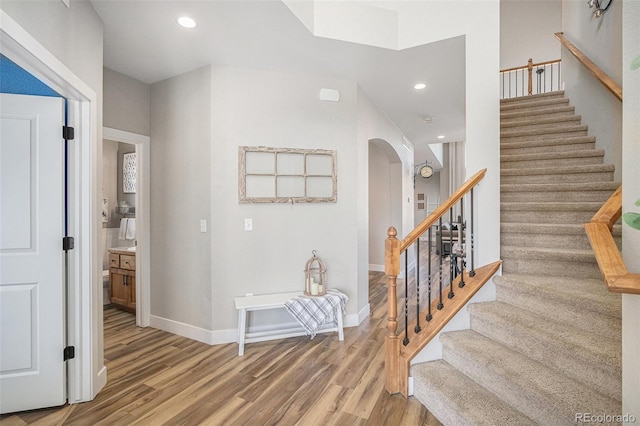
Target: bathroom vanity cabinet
[{"x": 122, "y": 278}]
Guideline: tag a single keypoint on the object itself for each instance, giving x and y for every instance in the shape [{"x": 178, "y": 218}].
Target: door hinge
[
  {"x": 67, "y": 133},
  {"x": 67, "y": 243},
  {"x": 69, "y": 353}
]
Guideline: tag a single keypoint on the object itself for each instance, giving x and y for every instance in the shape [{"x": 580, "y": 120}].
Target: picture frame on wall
[{"x": 129, "y": 173}]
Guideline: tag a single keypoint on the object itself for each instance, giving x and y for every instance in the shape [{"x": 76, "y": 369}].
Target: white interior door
[{"x": 32, "y": 296}]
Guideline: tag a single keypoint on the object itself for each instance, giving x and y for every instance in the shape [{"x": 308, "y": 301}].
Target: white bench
[{"x": 246, "y": 304}]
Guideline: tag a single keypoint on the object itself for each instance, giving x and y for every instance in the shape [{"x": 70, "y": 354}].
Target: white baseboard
[
  {"x": 182, "y": 329},
  {"x": 219, "y": 337},
  {"x": 355, "y": 320},
  {"x": 376, "y": 268},
  {"x": 101, "y": 381}
]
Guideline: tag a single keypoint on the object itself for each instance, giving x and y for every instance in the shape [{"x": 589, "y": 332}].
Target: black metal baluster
[
  {"x": 405, "y": 341},
  {"x": 440, "y": 304},
  {"x": 450, "y": 295},
  {"x": 418, "y": 329},
  {"x": 462, "y": 243},
  {"x": 429, "y": 316},
  {"x": 472, "y": 271}
]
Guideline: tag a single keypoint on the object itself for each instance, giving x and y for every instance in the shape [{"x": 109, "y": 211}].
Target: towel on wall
[
  {"x": 131, "y": 229},
  {"x": 314, "y": 311},
  {"x": 123, "y": 229},
  {"x": 127, "y": 229}
]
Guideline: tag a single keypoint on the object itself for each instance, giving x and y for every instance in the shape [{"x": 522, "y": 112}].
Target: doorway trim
[
  {"x": 86, "y": 373},
  {"x": 143, "y": 228}
]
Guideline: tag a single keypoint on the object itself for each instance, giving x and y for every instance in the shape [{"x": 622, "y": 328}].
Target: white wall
[
  {"x": 264, "y": 108},
  {"x": 423, "y": 22},
  {"x": 181, "y": 261},
  {"x": 631, "y": 193},
  {"x": 385, "y": 192},
  {"x": 373, "y": 124},
  {"x": 431, "y": 189},
  {"x": 600, "y": 40},
  {"x": 527, "y": 30},
  {"x": 126, "y": 103}
]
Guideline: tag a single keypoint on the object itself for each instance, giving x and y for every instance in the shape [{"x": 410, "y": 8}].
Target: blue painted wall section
[{"x": 16, "y": 80}]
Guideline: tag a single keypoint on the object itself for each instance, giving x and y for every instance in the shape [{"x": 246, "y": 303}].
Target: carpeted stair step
[
  {"x": 539, "y": 392},
  {"x": 552, "y": 159},
  {"x": 549, "y": 235},
  {"x": 582, "y": 303},
  {"x": 538, "y": 96},
  {"x": 544, "y": 112},
  {"x": 564, "y": 174},
  {"x": 550, "y": 212},
  {"x": 532, "y": 105},
  {"x": 549, "y": 261},
  {"x": 566, "y": 131},
  {"x": 548, "y": 145},
  {"x": 528, "y": 123},
  {"x": 455, "y": 399},
  {"x": 545, "y": 192},
  {"x": 594, "y": 360}
]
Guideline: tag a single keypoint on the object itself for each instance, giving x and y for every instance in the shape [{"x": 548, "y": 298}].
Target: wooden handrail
[
  {"x": 441, "y": 210},
  {"x": 615, "y": 272},
  {"x": 602, "y": 77}
]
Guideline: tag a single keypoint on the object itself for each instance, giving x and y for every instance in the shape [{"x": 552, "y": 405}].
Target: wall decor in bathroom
[
  {"x": 286, "y": 175},
  {"x": 129, "y": 173},
  {"x": 105, "y": 210}
]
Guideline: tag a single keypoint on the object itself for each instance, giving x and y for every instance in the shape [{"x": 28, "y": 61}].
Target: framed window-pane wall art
[{"x": 286, "y": 175}]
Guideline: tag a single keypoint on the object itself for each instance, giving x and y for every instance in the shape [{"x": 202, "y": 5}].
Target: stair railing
[
  {"x": 602, "y": 77},
  {"x": 540, "y": 78},
  {"x": 449, "y": 271},
  {"x": 616, "y": 275}
]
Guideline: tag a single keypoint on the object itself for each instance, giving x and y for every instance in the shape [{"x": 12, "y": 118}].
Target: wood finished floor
[{"x": 157, "y": 378}]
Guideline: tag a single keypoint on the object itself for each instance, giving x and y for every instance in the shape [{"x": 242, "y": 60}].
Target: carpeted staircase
[{"x": 549, "y": 348}]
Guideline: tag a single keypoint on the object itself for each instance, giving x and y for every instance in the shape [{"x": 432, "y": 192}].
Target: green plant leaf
[
  {"x": 638, "y": 202},
  {"x": 632, "y": 219},
  {"x": 635, "y": 64}
]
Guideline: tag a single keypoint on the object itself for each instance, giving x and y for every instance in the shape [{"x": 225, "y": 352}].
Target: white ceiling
[{"x": 143, "y": 41}]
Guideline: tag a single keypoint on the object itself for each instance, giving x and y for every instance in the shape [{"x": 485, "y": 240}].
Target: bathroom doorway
[{"x": 126, "y": 213}]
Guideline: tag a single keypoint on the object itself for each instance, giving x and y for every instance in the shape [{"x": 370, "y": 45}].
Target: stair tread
[
  {"x": 549, "y": 228},
  {"x": 567, "y": 254},
  {"x": 468, "y": 402},
  {"x": 579, "y": 344},
  {"x": 545, "y": 110},
  {"x": 551, "y": 206},
  {"x": 547, "y": 121},
  {"x": 571, "y": 186},
  {"x": 585, "y": 168},
  {"x": 567, "y": 128},
  {"x": 509, "y": 106},
  {"x": 552, "y": 155},
  {"x": 528, "y": 98},
  {"x": 589, "y": 294},
  {"x": 542, "y": 392},
  {"x": 547, "y": 142}
]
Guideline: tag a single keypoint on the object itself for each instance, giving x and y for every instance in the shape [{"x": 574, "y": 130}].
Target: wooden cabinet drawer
[
  {"x": 127, "y": 262},
  {"x": 114, "y": 260}
]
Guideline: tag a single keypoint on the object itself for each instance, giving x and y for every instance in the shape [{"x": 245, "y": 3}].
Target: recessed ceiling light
[
  {"x": 440, "y": 136},
  {"x": 186, "y": 22},
  {"x": 419, "y": 86}
]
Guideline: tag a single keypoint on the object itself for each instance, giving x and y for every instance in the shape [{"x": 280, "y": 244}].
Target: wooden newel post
[
  {"x": 392, "y": 342},
  {"x": 530, "y": 69}
]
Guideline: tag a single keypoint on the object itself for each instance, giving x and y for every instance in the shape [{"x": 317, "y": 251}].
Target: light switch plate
[
  {"x": 248, "y": 224},
  {"x": 203, "y": 225}
]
